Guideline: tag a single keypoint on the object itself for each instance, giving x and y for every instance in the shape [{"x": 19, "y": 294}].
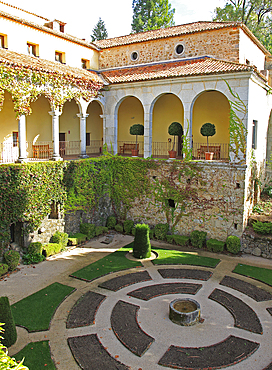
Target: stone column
[
  {"x": 55, "y": 134},
  {"x": 147, "y": 132},
  {"x": 83, "y": 118},
  {"x": 22, "y": 139}
]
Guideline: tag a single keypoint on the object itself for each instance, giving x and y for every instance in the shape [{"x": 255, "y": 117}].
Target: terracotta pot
[
  {"x": 134, "y": 152},
  {"x": 209, "y": 156},
  {"x": 172, "y": 154}
]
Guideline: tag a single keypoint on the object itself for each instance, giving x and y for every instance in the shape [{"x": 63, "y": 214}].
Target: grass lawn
[
  {"x": 259, "y": 273},
  {"x": 36, "y": 311},
  {"x": 115, "y": 261},
  {"x": 174, "y": 257},
  {"x": 37, "y": 356}
]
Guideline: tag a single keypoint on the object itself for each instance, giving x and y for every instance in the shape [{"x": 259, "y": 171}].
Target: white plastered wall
[{"x": 248, "y": 50}]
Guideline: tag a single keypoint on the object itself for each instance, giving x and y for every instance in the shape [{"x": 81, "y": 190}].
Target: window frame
[
  {"x": 4, "y": 41},
  {"x": 254, "y": 133},
  {"x": 35, "y": 49},
  {"x": 87, "y": 63},
  {"x": 62, "y": 58}
]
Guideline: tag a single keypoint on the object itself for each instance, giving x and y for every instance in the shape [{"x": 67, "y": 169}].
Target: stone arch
[
  {"x": 69, "y": 129},
  {"x": 210, "y": 106},
  {"x": 129, "y": 111},
  {"x": 166, "y": 108},
  {"x": 39, "y": 122},
  {"x": 94, "y": 127}
]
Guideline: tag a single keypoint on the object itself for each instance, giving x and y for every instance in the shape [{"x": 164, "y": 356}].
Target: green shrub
[
  {"x": 141, "y": 245},
  {"x": 60, "y": 238},
  {"x": 128, "y": 225},
  {"x": 111, "y": 222},
  {"x": 7, "y": 318},
  {"x": 3, "y": 268},
  {"x": 198, "y": 238},
  {"x": 72, "y": 241},
  {"x": 33, "y": 258},
  {"x": 151, "y": 233},
  {"x": 119, "y": 228},
  {"x": 51, "y": 248},
  {"x": 215, "y": 245},
  {"x": 161, "y": 231},
  {"x": 6, "y": 362},
  {"x": 99, "y": 230},
  {"x": 35, "y": 248},
  {"x": 79, "y": 237},
  {"x": 12, "y": 258},
  {"x": 262, "y": 227},
  {"x": 178, "y": 239},
  {"x": 133, "y": 231},
  {"x": 88, "y": 229},
  {"x": 233, "y": 244}
]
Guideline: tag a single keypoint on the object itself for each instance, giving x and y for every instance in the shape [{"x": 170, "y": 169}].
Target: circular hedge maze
[{"x": 121, "y": 321}]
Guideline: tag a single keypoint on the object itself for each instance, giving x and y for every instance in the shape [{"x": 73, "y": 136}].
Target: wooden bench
[
  {"x": 41, "y": 151},
  {"x": 127, "y": 148},
  {"x": 212, "y": 148}
]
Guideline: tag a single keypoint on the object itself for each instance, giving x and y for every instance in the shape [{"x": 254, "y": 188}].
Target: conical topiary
[
  {"x": 141, "y": 245},
  {"x": 10, "y": 334}
]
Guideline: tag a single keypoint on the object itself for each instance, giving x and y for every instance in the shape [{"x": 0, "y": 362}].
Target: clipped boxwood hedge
[
  {"x": 80, "y": 238},
  {"x": 198, "y": 238},
  {"x": 35, "y": 248},
  {"x": 128, "y": 225},
  {"x": 88, "y": 230},
  {"x": 3, "y": 268},
  {"x": 178, "y": 239},
  {"x": 60, "y": 238},
  {"x": 11, "y": 258},
  {"x": 51, "y": 248},
  {"x": 161, "y": 231},
  {"x": 215, "y": 245},
  {"x": 10, "y": 334},
  {"x": 233, "y": 244},
  {"x": 141, "y": 245}
]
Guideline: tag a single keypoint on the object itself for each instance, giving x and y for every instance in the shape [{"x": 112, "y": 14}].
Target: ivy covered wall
[{"x": 188, "y": 195}]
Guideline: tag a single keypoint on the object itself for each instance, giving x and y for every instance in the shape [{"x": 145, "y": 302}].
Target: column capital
[
  {"x": 55, "y": 113},
  {"x": 82, "y": 115}
]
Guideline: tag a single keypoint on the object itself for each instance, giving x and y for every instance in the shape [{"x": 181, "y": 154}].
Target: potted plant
[
  {"x": 136, "y": 129},
  {"x": 208, "y": 129},
  {"x": 175, "y": 129}
]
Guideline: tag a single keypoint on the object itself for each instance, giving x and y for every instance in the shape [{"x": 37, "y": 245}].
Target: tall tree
[
  {"x": 99, "y": 31},
  {"x": 255, "y": 14},
  {"x": 151, "y": 14}
]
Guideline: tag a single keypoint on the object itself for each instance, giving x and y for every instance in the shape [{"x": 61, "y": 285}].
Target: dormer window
[
  {"x": 85, "y": 63},
  {"x": 179, "y": 49},
  {"x": 60, "y": 57},
  {"x": 33, "y": 49},
  {"x": 3, "y": 41}
]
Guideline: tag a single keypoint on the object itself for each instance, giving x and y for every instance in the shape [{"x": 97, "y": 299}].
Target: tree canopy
[
  {"x": 255, "y": 14},
  {"x": 99, "y": 31},
  {"x": 151, "y": 15}
]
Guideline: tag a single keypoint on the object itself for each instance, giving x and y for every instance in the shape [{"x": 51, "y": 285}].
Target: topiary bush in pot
[
  {"x": 141, "y": 245},
  {"x": 12, "y": 258},
  {"x": 215, "y": 245},
  {"x": 233, "y": 244},
  {"x": 208, "y": 129},
  {"x": 175, "y": 129},
  {"x": 198, "y": 238},
  {"x": 6, "y": 317},
  {"x": 136, "y": 130}
]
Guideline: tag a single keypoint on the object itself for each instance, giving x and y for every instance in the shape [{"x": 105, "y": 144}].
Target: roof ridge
[{"x": 26, "y": 11}]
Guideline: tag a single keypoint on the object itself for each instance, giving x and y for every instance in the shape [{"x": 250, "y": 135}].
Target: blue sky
[{"x": 82, "y": 15}]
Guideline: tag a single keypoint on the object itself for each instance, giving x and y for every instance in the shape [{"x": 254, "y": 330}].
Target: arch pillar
[
  {"x": 83, "y": 117},
  {"x": 147, "y": 131},
  {"x": 55, "y": 134},
  {"x": 22, "y": 139}
]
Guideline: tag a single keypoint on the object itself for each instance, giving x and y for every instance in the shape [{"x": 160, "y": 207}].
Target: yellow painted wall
[
  {"x": 130, "y": 112},
  {"x": 8, "y": 122},
  {"x": 167, "y": 109},
  {"x": 69, "y": 121},
  {"x": 213, "y": 107},
  {"x": 39, "y": 123},
  {"x": 94, "y": 121}
]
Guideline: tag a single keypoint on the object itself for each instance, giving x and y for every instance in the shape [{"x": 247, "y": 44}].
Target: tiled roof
[
  {"x": 184, "y": 29},
  {"x": 182, "y": 68},
  {"x": 26, "y": 11},
  {"x": 161, "y": 33},
  {"x": 48, "y": 30},
  {"x": 14, "y": 59}
]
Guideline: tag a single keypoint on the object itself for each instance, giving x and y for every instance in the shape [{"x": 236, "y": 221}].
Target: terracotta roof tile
[
  {"x": 12, "y": 58},
  {"x": 183, "y": 29},
  {"x": 185, "y": 68}
]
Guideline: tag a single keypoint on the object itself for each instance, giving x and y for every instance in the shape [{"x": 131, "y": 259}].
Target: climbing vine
[{"x": 26, "y": 85}]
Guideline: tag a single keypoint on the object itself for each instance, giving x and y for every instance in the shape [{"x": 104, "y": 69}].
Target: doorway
[{"x": 62, "y": 136}]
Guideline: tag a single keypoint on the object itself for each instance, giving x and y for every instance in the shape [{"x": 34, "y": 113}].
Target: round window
[
  {"x": 179, "y": 49},
  {"x": 134, "y": 55}
]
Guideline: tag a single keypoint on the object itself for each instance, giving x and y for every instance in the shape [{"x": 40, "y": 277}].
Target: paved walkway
[{"x": 132, "y": 329}]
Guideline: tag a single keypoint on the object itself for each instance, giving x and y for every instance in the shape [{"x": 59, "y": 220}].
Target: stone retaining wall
[{"x": 257, "y": 245}]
